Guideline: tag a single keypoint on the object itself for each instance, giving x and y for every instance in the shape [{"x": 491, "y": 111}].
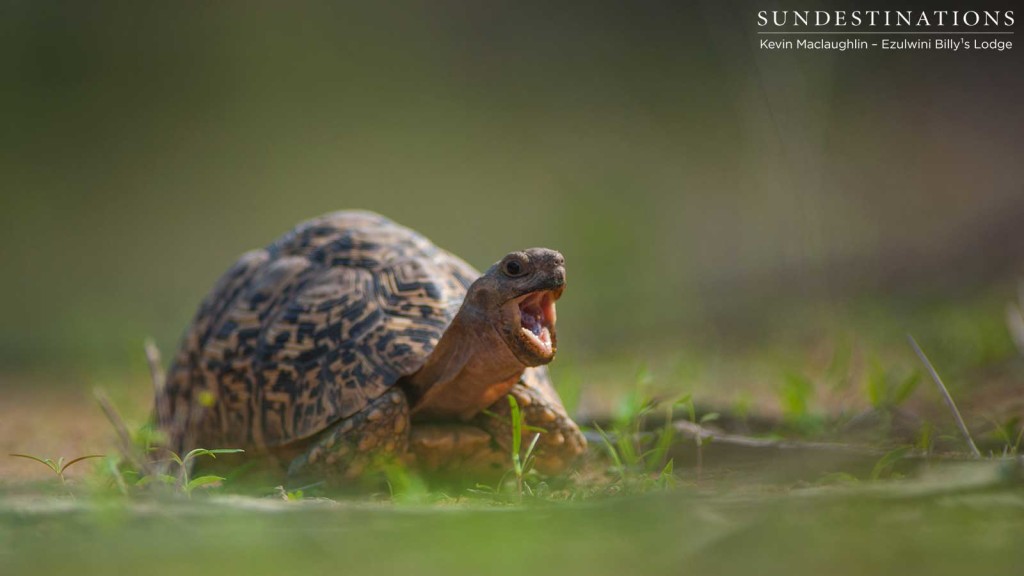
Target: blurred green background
[{"x": 705, "y": 193}]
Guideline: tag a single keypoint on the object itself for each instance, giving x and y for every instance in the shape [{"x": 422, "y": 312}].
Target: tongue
[
  {"x": 531, "y": 322},
  {"x": 531, "y": 312}
]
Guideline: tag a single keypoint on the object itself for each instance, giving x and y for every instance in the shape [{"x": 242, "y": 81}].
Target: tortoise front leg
[
  {"x": 481, "y": 449},
  {"x": 457, "y": 451},
  {"x": 560, "y": 442}
]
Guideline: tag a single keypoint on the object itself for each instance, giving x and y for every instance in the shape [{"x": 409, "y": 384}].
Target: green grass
[{"x": 964, "y": 519}]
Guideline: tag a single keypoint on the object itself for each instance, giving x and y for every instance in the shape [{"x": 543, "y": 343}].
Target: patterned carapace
[{"x": 310, "y": 330}]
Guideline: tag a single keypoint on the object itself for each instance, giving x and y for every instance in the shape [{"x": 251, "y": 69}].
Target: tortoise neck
[{"x": 470, "y": 368}]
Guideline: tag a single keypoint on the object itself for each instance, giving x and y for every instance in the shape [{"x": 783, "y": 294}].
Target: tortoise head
[{"x": 516, "y": 296}]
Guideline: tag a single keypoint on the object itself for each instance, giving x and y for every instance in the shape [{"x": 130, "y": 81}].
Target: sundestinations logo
[
  {"x": 886, "y": 18},
  {"x": 946, "y": 30}
]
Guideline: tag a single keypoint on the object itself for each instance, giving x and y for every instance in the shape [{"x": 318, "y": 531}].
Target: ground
[
  {"x": 901, "y": 494},
  {"x": 55, "y": 421}
]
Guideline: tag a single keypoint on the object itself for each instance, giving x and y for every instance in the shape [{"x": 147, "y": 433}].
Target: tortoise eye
[{"x": 513, "y": 268}]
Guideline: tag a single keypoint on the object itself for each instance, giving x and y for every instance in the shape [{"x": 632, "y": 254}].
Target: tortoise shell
[{"x": 307, "y": 331}]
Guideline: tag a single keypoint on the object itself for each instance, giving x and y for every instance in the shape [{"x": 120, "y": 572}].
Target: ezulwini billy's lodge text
[{"x": 949, "y": 44}]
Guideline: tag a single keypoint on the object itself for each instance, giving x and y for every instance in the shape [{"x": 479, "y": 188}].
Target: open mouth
[{"x": 536, "y": 317}]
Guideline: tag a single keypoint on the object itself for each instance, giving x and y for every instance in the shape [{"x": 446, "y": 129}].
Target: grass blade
[
  {"x": 945, "y": 395},
  {"x": 44, "y": 461},
  {"x": 128, "y": 449},
  {"x": 30, "y": 457},
  {"x": 609, "y": 446},
  {"x": 517, "y": 435},
  {"x": 79, "y": 459}
]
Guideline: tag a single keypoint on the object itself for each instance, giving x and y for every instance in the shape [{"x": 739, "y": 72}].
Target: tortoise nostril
[
  {"x": 559, "y": 259},
  {"x": 560, "y": 275}
]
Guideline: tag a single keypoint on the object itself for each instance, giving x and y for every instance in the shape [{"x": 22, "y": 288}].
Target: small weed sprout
[
  {"x": 637, "y": 467},
  {"x": 58, "y": 467},
  {"x": 925, "y": 439},
  {"x": 1010, "y": 433},
  {"x": 796, "y": 395},
  {"x": 885, "y": 467},
  {"x": 888, "y": 389},
  {"x": 698, "y": 438},
  {"x": 183, "y": 482},
  {"x": 290, "y": 495},
  {"x": 522, "y": 464},
  {"x": 404, "y": 485},
  {"x": 137, "y": 448}
]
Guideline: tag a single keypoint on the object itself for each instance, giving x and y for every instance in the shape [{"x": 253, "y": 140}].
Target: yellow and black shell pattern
[{"x": 308, "y": 330}]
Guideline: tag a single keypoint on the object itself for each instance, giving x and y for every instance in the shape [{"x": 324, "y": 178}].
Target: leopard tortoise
[{"x": 352, "y": 339}]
